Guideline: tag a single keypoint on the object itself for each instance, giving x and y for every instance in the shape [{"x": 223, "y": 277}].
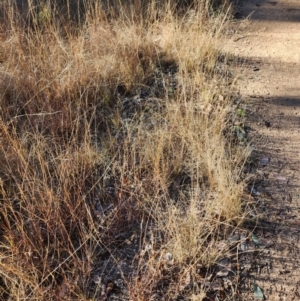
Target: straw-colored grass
[{"x": 112, "y": 123}]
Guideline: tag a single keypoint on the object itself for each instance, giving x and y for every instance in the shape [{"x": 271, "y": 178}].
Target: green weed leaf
[{"x": 241, "y": 112}]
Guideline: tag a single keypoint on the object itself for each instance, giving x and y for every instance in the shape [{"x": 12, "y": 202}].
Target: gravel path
[{"x": 266, "y": 39}]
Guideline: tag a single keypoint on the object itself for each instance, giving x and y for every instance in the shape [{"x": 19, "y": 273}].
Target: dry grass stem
[{"x": 116, "y": 161}]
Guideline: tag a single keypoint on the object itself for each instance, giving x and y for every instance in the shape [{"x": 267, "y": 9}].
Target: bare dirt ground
[{"x": 266, "y": 39}]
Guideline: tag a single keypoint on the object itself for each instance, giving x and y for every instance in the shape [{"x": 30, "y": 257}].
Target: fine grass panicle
[{"x": 116, "y": 175}]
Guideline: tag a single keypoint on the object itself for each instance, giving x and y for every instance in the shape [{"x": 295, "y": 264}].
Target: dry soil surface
[{"x": 266, "y": 39}]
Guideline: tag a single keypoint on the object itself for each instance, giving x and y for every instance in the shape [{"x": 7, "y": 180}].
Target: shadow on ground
[{"x": 264, "y": 10}]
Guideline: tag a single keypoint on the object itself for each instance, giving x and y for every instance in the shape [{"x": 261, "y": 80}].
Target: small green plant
[
  {"x": 241, "y": 112},
  {"x": 44, "y": 16},
  {"x": 240, "y": 133}
]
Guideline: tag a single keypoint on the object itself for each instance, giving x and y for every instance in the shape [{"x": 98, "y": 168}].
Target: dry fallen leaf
[
  {"x": 224, "y": 267},
  {"x": 234, "y": 238},
  {"x": 103, "y": 295},
  {"x": 109, "y": 287},
  {"x": 264, "y": 161},
  {"x": 61, "y": 291},
  {"x": 244, "y": 246},
  {"x": 105, "y": 290},
  {"x": 185, "y": 281},
  {"x": 222, "y": 245},
  {"x": 282, "y": 180}
]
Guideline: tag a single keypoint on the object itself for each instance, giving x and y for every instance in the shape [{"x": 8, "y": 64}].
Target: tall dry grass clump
[{"x": 116, "y": 171}]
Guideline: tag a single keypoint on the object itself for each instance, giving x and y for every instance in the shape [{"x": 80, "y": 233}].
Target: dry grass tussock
[{"x": 114, "y": 163}]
